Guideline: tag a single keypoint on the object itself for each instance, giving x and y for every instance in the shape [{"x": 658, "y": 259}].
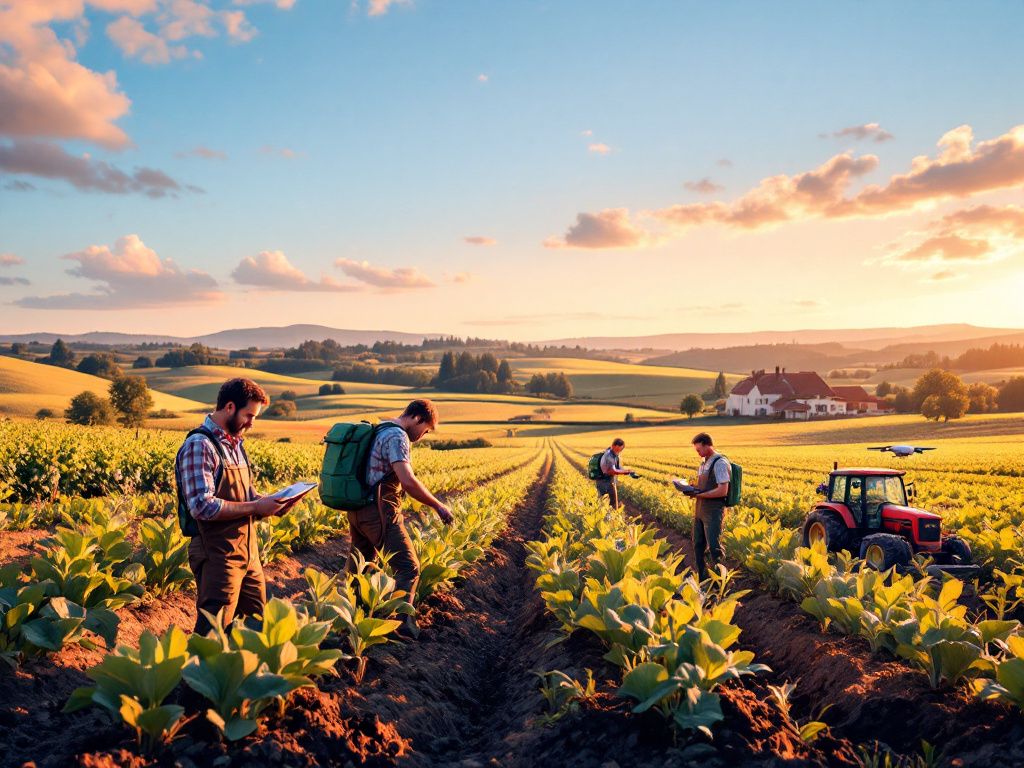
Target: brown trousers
[
  {"x": 609, "y": 489},
  {"x": 225, "y": 560},
  {"x": 380, "y": 527}
]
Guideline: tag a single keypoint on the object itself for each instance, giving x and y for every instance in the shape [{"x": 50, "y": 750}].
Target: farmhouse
[
  {"x": 860, "y": 402},
  {"x": 801, "y": 395}
]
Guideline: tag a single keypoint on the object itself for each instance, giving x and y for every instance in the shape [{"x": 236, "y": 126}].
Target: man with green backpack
[
  {"x": 367, "y": 471},
  {"x": 604, "y": 469},
  {"x": 718, "y": 487}
]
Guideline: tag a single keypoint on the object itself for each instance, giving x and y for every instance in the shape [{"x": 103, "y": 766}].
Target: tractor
[{"x": 866, "y": 512}]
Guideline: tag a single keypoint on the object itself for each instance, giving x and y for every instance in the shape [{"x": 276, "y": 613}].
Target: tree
[
  {"x": 61, "y": 355},
  {"x": 289, "y": 394},
  {"x": 937, "y": 382},
  {"x": 143, "y": 361},
  {"x": 44, "y": 413},
  {"x": 902, "y": 400},
  {"x": 17, "y": 348},
  {"x": 325, "y": 389},
  {"x": 89, "y": 409},
  {"x": 721, "y": 388},
  {"x": 691, "y": 405},
  {"x": 281, "y": 409},
  {"x": 337, "y": 389},
  {"x": 447, "y": 368},
  {"x": 100, "y": 364},
  {"x": 1011, "y": 395},
  {"x": 130, "y": 397},
  {"x": 504, "y": 373},
  {"x": 948, "y": 406},
  {"x": 982, "y": 397},
  {"x": 884, "y": 388},
  {"x": 629, "y": 418}
]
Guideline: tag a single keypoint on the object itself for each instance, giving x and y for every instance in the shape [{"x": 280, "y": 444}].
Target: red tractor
[{"x": 866, "y": 512}]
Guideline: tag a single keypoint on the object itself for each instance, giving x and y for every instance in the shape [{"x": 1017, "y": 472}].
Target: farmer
[
  {"x": 713, "y": 477},
  {"x": 380, "y": 525},
  {"x": 218, "y": 507},
  {"x": 611, "y": 468}
]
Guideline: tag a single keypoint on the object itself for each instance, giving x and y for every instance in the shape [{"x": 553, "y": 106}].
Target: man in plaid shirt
[{"x": 218, "y": 507}]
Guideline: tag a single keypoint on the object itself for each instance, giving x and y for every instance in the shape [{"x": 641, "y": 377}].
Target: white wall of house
[{"x": 751, "y": 404}]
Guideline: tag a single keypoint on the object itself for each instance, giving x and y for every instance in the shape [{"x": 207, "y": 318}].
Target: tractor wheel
[
  {"x": 882, "y": 551},
  {"x": 827, "y": 527},
  {"x": 959, "y": 551}
]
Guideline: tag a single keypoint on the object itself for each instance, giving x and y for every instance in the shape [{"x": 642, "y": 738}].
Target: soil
[
  {"x": 871, "y": 698},
  {"x": 462, "y": 694}
]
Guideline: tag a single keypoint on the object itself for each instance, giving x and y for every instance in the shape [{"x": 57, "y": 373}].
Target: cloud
[
  {"x": 479, "y": 240},
  {"x": 131, "y": 275},
  {"x": 461, "y": 278},
  {"x": 380, "y": 7},
  {"x": 872, "y": 131},
  {"x": 50, "y": 161},
  {"x": 237, "y": 26},
  {"x": 704, "y": 186},
  {"x": 285, "y": 152},
  {"x": 808, "y": 303},
  {"x": 960, "y": 169},
  {"x": 283, "y": 5},
  {"x": 587, "y": 132},
  {"x": 4, "y": 280},
  {"x": 273, "y": 271},
  {"x": 400, "y": 279},
  {"x": 10, "y": 260},
  {"x": 45, "y": 92},
  {"x": 611, "y": 228},
  {"x": 979, "y": 234},
  {"x": 482, "y": 78},
  {"x": 724, "y": 162},
  {"x": 136, "y": 42},
  {"x": 946, "y": 274},
  {"x": 599, "y": 149},
  {"x": 204, "y": 152}
]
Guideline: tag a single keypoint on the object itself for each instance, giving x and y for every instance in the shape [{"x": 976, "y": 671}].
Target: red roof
[
  {"x": 800, "y": 384},
  {"x": 854, "y": 394},
  {"x": 788, "y": 404}
]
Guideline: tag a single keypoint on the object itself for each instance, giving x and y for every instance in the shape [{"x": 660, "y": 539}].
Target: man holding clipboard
[{"x": 218, "y": 507}]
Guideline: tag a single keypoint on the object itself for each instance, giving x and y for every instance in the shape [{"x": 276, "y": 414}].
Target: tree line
[{"x": 941, "y": 394}]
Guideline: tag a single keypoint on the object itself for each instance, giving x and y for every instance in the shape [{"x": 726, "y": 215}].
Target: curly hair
[{"x": 240, "y": 392}]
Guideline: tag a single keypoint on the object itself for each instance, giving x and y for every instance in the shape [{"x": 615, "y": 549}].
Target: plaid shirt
[{"x": 197, "y": 468}]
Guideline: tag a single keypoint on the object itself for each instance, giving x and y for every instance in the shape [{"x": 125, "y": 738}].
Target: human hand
[
  {"x": 268, "y": 506},
  {"x": 445, "y": 514}
]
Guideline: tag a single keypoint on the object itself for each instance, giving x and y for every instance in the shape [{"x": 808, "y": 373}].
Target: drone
[{"x": 900, "y": 451}]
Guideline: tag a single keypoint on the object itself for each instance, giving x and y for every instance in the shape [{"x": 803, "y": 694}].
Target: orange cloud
[
  {"x": 135, "y": 41},
  {"x": 380, "y": 7},
  {"x": 44, "y": 90},
  {"x": 10, "y": 260},
  {"x": 599, "y": 149},
  {"x": 273, "y": 271},
  {"x": 610, "y": 228},
  {"x": 979, "y": 234},
  {"x": 402, "y": 278},
  {"x": 479, "y": 240},
  {"x": 204, "y": 152},
  {"x": 960, "y": 169},
  {"x": 130, "y": 275}
]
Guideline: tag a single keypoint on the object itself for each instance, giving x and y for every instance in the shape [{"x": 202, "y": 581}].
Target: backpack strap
[
  {"x": 365, "y": 464},
  {"x": 221, "y": 453}
]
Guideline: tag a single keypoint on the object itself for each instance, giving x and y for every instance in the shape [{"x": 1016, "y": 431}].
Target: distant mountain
[
  {"x": 265, "y": 338},
  {"x": 795, "y": 357},
  {"x": 862, "y": 338}
]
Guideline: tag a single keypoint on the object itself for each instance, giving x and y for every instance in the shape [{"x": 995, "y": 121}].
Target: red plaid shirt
[{"x": 197, "y": 467}]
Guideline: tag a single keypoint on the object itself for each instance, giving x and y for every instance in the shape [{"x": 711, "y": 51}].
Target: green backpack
[
  {"x": 732, "y": 498},
  {"x": 343, "y": 474},
  {"x": 594, "y": 467}
]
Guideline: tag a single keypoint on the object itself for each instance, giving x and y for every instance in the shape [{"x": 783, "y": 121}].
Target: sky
[{"x": 523, "y": 170}]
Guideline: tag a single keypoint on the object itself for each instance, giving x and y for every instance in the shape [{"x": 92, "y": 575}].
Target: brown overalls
[
  {"x": 381, "y": 527},
  {"x": 225, "y": 558}
]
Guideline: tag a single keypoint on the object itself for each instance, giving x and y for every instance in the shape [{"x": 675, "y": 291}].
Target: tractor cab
[{"x": 867, "y": 511}]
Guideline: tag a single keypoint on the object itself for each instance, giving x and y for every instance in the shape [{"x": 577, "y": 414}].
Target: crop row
[
  {"x": 911, "y": 616},
  {"x": 669, "y": 635}
]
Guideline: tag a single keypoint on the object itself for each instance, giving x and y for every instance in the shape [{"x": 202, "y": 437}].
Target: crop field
[{"x": 551, "y": 626}]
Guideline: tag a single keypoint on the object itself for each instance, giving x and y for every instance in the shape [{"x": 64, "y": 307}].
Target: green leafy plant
[
  {"x": 133, "y": 684},
  {"x": 164, "y": 555},
  {"x": 563, "y": 694}
]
